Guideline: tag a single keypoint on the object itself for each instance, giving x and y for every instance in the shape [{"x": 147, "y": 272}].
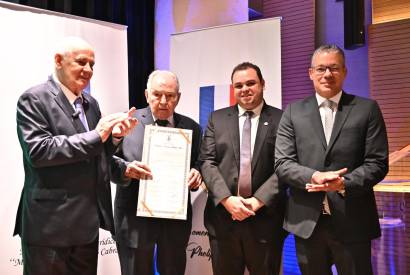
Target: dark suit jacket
[
  {"x": 220, "y": 152},
  {"x": 136, "y": 231},
  {"x": 358, "y": 142},
  {"x": 66, "y": 195}
]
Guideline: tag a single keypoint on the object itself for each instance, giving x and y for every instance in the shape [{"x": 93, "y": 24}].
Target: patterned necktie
[
  {"x": 328, "y": 106},
  {"x": 245, "y": 172},
  {"x": 162, "y": 122},
  {"x": 78, "y": 103}
]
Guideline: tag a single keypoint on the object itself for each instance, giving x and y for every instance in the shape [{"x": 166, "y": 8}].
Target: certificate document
[{"x": 167, "y": 151}]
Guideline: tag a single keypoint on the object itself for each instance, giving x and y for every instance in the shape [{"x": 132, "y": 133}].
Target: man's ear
[
  {"x": 311, "y": 74},
  {"x": 179, "y": 96},
  {"x": 58, "y": 58},
  {"x": 146, "y": 95}
]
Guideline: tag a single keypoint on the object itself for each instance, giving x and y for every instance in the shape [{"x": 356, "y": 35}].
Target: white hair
[
  {"x": 71, "y": 43},
  {"x": 161, "y": 72}
]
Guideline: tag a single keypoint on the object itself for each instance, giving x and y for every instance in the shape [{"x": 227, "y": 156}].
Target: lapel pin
[{"x": 265, "y": 123}]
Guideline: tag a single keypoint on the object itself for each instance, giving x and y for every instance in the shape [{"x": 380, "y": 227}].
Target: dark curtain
[{"x": 138, "y": 15}]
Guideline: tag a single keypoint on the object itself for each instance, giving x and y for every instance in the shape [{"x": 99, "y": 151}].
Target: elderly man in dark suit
[
  {"x": 245, "y": 206},
  {"x": 331, "y": 150},
  {"x": 66, "y": 147},
  {"x": 137, "y": 236}
]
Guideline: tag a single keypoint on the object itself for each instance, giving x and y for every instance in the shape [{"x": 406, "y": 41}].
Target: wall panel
[
  {"x": 390, "y": 10},
  {"x": 298, "y": 43},
  {"x": 389, "y": 70}
]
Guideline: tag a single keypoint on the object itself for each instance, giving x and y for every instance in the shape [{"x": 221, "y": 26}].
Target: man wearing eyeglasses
[
  {"x": 137, "y": 237},
  {"x": 331, "y": 149}
]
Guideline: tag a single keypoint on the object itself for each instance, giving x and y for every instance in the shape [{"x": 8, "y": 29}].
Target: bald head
[{"x": 74, "y": 62}]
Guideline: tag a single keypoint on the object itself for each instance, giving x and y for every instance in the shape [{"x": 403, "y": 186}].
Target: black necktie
[
  {"x": 245, "y": 172},
  {"x": 162, "y": 122}
]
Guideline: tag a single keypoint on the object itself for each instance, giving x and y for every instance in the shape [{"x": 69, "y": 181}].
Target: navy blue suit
[{"x": 66, "y": 196}]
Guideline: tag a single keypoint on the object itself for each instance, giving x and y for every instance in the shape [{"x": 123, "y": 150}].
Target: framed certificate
[{"x": 167, "y": 151}]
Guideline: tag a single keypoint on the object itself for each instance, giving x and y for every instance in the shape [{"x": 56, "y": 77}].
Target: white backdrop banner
[
  {"x": 203, "y": 61},
  {"x": 28, "y": 40}
]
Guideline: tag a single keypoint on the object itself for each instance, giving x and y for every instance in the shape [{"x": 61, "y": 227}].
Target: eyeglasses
[{"x": 319, "y": 70}]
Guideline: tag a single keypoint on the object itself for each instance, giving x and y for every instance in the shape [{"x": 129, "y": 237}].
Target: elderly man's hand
[
  {"x": 124, "y": 127},
  {"x": 194, "y": 179},
  {"x": 107, "y": 123},
  {"x": 138, "y": 170}
]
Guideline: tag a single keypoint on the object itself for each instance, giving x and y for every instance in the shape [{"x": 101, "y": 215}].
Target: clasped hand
[
  {"x": 327, "y": 181},
  {"x": 241, "y": 208},
  {"x": 117, "y": 124}
]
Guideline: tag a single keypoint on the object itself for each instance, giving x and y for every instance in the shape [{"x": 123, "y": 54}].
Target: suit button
[{"x": 327, "y": 163}]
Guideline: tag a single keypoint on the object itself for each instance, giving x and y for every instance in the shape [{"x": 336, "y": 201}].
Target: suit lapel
[
  {"x": 263, "y": 126},
  {"x": 315, "y": 120},
  {"x": 65, "y": 105},
  {"x": 146, "y": 117},
  {"x": 178, "y": 122},
  {"x": 233, "y": 123},
  {"x": 345, "y": 106}
]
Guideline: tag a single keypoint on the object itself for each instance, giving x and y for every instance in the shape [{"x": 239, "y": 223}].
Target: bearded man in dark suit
[{"x": 245, "y": 206}]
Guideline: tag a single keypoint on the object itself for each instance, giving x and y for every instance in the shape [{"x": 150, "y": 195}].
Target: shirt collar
[
  {"x": 335, "y": 98},
  {"x": 170, "y": 120},
  {"x": 69, "y": 94},
  {"x": 256, "y": 111}
]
